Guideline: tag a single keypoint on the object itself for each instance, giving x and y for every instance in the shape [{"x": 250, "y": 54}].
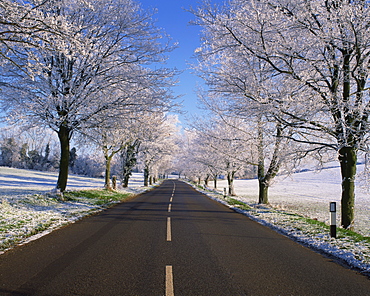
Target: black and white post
[{"x": 333, "y": 219}]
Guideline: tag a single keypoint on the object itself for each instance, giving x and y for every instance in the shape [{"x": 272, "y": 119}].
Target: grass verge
[
  {"x": 26, "y": 216},
  {"x": 308, "y": 231},
  {"x": 101, "y": 197}
]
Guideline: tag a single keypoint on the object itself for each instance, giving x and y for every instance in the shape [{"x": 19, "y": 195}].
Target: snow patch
[
  {"x": 27, "y": 212},
  {"x": 306, "y": 195}
]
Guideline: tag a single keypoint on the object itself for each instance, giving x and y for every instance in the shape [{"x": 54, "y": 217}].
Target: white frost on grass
[
  {"x": 303, "y": 196},
  {"x": 17, "y": 181},
  {"x": 27, "y": 212},
  {"x": 309, "y": 194},
  {"x": 25, "y": 209}
]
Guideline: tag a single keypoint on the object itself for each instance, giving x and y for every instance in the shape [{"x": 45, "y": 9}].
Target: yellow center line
[
  {"x": 169, "y": 281},
  {"x": 169, "y": 238}
]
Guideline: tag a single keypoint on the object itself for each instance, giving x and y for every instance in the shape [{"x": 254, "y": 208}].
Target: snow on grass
[
  {"x": 299, "y": 208},
  {"x": 309, "y": 194},
  {"x": 27, "y": 211}
]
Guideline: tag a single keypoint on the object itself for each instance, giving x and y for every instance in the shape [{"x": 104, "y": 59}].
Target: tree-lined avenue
[{"x": 171, "y": 241}]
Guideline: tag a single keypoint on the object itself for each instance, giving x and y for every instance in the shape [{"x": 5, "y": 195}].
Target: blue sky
[{"x": 174, "y": 18}]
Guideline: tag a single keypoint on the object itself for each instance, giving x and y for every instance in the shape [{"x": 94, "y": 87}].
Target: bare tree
[
  {"x": 240, "y": 89},
  {"x": 223, "y": 147},
  {"x": 158, "y": 144},
  {"x": 322, "y": 48},
  {"x": 129, "y": 155},
  {"x": 24, "y": 24},
  {"x": 120, "y": 137},
  {"x": 98, "y": 78}
]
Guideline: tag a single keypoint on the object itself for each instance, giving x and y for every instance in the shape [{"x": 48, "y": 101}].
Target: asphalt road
[{"x": 171, "y": 241}]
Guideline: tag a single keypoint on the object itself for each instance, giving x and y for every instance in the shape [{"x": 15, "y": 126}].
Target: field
[
  {"x": 28, "y": 210},
  {"x": 309, "y": 194},
  {"x": 299, "y": 206}
]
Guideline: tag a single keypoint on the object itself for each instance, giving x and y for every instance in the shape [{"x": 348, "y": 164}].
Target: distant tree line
[
  {"x": 17, "y": 155},
  {"x": 18, "y": 152},
  {"x": 143, "y": 146}
]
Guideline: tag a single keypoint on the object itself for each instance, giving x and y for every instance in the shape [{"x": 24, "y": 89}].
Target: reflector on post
[{"x": 333, "y": 219}]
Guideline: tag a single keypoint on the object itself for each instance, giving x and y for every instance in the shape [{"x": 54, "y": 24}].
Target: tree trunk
[
  {"x": 64, "y": 135},
  {"x": 114, "y": 182},
  {"x": 348, "y": 159},
  {"x": 215, "y": 182},
  {"x": 264, "y": 178},
  {"x": 263, "y": 191},
  {"x": 206, "y": 181},
  {"x": 262, "y": 196},
  {"x": 129, "y": 160},
  {"x": 126, "y": 178},
  {"x": 230, "y": 182},
  {"x": 107, "y": 183},
  {"x": 146, "y": 176}
]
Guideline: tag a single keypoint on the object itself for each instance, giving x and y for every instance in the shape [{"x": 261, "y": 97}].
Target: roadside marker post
[
  {"x": 224, "y": 192},
  {"x": 114, "y": 182},
  {"x": 333, "y": 219}
]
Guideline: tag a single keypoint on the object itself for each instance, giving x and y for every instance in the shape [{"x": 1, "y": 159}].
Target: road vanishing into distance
[{"x": 172, "y": 240}]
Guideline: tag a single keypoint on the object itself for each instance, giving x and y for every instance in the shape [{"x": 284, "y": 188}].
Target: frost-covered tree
[
  {"x": 238, "y": 93},
  {"x": 110, "y": 141},
  {"x": 199, "y": 161},
  {"x": 31, "y": 148},
  {"x": 129, "y": 156},
  {"x": 100, "y": 77},
  {"x": 90, "y": 165},
  {"x": 121, "y": 136},
  {"x": 185, "y": 163},
  {"x": 323, "y": 48},
  {"x": 222, "y": 146},
  {"x": 159, "y": 143},
  {"x": 24, "y": 24},
  {"x": 9, "y": 153}
]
